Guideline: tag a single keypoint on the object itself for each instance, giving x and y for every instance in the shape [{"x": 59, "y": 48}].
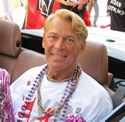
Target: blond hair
[{"x": 78, "y": 24}]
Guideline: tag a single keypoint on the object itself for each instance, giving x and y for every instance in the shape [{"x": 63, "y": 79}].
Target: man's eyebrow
[
  {"x": 52, "y": 33},
  {"x": 70, "y": 36}
]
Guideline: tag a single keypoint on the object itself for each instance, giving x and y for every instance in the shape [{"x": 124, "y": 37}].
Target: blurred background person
[
  {"x": 96, "y": 8},
  {"x": 73, "y": 5},
  {"x": 116, "y": 9},
  {"x": 94, "y": 4},
  {"x": 90, "y": 5},
  {"x": 79, "y": 7}
]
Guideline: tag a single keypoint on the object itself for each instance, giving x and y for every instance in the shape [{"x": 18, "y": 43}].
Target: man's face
[{"x": 61, "y": 45}]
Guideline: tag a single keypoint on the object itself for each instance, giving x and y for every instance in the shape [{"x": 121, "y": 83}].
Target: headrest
[{"x": 10, "y": 38}]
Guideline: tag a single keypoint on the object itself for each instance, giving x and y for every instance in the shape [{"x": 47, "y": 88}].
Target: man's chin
[{"x": 56, "y": 66}]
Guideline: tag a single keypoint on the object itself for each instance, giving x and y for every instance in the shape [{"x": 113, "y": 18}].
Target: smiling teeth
[{"x": 57, "y": 56}]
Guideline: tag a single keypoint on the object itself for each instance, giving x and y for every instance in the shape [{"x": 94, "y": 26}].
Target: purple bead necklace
[{"x": 63, "y": 104}]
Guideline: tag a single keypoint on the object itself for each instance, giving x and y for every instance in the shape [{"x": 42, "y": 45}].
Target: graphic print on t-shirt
[
  {"x": 39, "y": 116},
  {"x": 116, "y": 7}
]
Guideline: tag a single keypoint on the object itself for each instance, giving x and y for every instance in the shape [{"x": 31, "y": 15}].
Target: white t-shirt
[{"x": 89, "y": 100}]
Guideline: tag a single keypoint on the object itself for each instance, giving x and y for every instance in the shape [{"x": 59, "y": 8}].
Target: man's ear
[
  {"x": 83, "y": 45},
  {"x": 43, "y": 41}
]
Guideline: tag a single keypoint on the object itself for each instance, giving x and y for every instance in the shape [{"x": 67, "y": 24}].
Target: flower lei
[{"x": 6, "y": 107}]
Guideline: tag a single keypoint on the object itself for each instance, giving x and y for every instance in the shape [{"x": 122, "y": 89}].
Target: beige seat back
[
  {"x": 94, "y": 61},
  {"x": 10, "y": 44},
  {"x": 15, "y": 59},
  {"x": 26, "y": 60}
]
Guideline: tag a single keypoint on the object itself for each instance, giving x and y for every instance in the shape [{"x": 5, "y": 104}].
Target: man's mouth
[{"x": 58, "y": 56}]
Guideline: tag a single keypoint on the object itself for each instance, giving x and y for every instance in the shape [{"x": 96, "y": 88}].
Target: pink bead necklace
[{"x": 6, "y": 107}]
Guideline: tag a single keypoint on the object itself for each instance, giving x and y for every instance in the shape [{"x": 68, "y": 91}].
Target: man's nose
[{"x": 59, "y": 44}]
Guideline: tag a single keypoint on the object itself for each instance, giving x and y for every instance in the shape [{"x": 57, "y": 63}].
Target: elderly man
[{"x": 60, "y": 89}]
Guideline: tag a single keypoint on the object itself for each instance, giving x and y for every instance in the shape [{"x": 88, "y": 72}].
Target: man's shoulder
[
  {"x": 85, "y": 76},
  {"x": 30, "y": 74},
  {"x": 35, "y": 70},
  {"x": 89, "y": 82}
]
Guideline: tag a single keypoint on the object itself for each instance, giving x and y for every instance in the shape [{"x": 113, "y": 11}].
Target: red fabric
[
  {"x": 103, "y": 26},
  {"x": 86, "y": 17}
]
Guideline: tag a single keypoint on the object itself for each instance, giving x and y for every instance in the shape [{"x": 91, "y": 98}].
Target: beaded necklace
[
  {"x": 70, "y": 87},
  {"x": 6, "y": 107},
  {"x": 53, "y": 80}
]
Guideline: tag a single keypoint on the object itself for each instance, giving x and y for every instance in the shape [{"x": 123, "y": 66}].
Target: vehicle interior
[{"x": 16, "y": 57}]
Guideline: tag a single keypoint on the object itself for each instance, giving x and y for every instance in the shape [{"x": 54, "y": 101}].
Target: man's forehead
[{"x": 59, "y": 19}]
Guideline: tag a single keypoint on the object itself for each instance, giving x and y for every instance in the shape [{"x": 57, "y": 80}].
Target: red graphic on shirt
[
  {"x": 28, "y": 83},
  {"x": 45, "y": 117},
  {"x": 5, "y": 17},
  {"x": 29, "y": 107}
]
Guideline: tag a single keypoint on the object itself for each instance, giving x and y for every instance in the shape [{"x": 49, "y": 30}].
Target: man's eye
[
  {"x": 53, "y": 37},
  {"x": 70, "y": 40}
]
